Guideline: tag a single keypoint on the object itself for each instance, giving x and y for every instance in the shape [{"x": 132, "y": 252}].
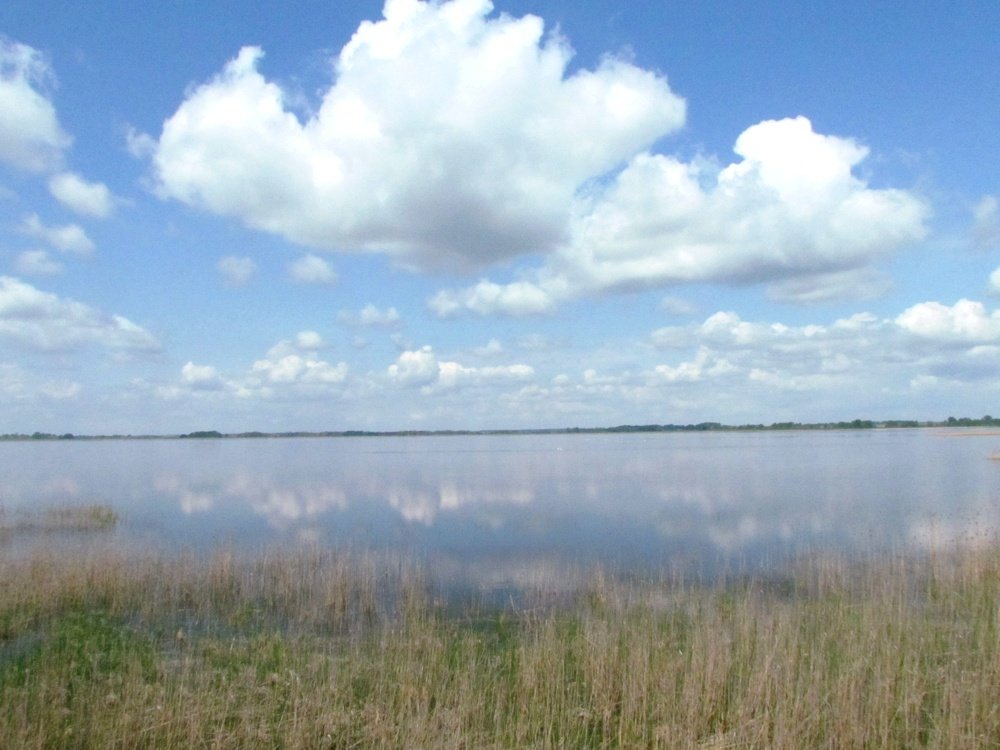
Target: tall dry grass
[{"x": 327, "y": 650}]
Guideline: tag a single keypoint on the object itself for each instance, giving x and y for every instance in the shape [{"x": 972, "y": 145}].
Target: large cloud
[
  {"x": 790, "y": 212},
  {"x": 448, "y": 137},
  {"x": 452, "y": 138},
  {"x": 43, "y": 321},
  {"x": 30, "y": 135}
]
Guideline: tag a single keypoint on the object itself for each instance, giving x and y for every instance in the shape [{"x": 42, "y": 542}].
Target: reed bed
[{"x": 324, "y": 649}]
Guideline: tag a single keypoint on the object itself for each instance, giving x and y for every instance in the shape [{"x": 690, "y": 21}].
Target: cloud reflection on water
[{"x": 517, "y": 508}]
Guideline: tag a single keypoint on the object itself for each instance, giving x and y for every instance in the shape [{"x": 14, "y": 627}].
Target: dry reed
[{"x": 322, "y": 649}]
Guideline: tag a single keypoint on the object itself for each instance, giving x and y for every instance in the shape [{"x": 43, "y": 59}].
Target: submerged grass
[
  {"x": 62, "y": 518},
  {"x": 323, "y": 649}
]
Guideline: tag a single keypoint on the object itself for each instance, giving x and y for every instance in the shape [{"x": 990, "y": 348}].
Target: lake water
[{"x": 502, "y": 509}]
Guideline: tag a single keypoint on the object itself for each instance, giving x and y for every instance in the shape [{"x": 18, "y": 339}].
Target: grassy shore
[{"x": 323, "y": 649}]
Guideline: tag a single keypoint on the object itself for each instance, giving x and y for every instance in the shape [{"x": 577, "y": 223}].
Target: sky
[{"x": 525, "y": 214}]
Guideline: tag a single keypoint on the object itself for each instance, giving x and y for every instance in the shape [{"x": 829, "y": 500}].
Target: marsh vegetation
[{"x": 326, "y": 649}]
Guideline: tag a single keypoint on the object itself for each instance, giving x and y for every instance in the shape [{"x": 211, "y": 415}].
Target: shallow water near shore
[{"x": 512, "y": 510}]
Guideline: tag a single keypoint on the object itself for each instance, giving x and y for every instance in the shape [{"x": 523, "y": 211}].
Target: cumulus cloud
[
  {"x": 43, "y": 321},
  {"x": 448, "y": 137},
  {"x": 790, "y": 212},
  {"x": 311, "y": 269},
  {"x": 70, "y": 238},
  {"x": 236, "y": 270},
  {"x": 962, "y": 323},
  {"x": 294, "y": 362},
  {"x": 929, "y": 345},
  {"x": 290, "y": 367},
  {"x": 30, "y": 135},
  {"x": 85, "y": 198},
  {"x": 421, "y": 367}
]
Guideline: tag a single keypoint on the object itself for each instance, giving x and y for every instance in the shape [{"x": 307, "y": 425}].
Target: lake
[{"x": 503, "y": 509}]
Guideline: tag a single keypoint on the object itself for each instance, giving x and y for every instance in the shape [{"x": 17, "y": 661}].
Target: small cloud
[
  {"x": 294, "y": 368},
  {"x": 67, "y": 239},
  {"x": 519, "y": 298},
  {"x": 309, "y": 341},
  {"x": 994, "y": 287},
  {"x": 420, "y": 367},
  {"x": 85, "y": 198},
  {"x": 311, "y": 269},
  {"x": 37, "y": 263},
  {"x": 371, "y": 317},
  {"x": 986, "y": 223},
  {"x": 415, "y": 367},
  {"x": 236, "y": 270},
  {"x": 139, "y": 145},
  {"x": 201, "y": 377}
]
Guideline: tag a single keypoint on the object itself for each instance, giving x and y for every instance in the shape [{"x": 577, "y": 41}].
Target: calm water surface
[{"x": 502, "y": 508}]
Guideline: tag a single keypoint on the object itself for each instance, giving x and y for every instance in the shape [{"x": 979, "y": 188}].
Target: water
[{"x": 502, "y": 509}]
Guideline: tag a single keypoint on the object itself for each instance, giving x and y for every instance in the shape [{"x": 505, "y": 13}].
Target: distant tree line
[{"x": 855, "y": 424}]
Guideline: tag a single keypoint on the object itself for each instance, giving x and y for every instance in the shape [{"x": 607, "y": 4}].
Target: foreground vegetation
[{"x": 323, "y": 649}]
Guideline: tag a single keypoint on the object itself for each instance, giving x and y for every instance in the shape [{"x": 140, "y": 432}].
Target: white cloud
[
  {"x": 986, "y": 223},
  {"x": 448, "y": 138},
  {"x": 964, "y": 322},
  {"x": 37, "y": 263},
  {"x": 70, "y": 238},
  {"x": 420, "y": 367},
  {"x": 371, "y": 317},
  {"x": 294, "y": 361},
  {"x": 30, "y": 135},
  {"x": 790, "y": 212},
  {"x": 236, "y": 270},
  {"x": 294, "y": 368},
  {"x": 487, "y": 298},
  {"x": 43, "y": 321},
  {"x": 415, "y": 367},
  {"x": 311, "y": 269},
  {"x": 290, "y": 367},
  {"x": 85, "y": 198},
  {"x": 309, "y": 340},
  {"x": 201, "y": 377},
  {"x": 705, "y": 364},
  {"x": 994, "y": 284}
]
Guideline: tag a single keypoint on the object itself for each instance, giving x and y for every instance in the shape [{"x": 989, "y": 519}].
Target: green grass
[{"x": 323, "y": 649}]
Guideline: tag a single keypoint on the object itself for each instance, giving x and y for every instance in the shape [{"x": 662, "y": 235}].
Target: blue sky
[{"x": 527, "y": 214}]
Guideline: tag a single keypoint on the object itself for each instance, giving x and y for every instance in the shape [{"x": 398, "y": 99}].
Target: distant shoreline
[{"x": 856, "y": 424}]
